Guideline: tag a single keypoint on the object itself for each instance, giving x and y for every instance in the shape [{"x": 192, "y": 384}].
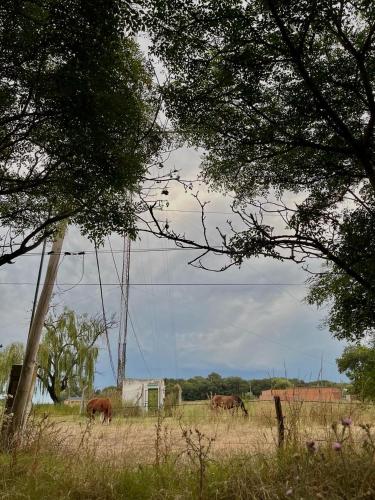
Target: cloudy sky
[{"x": 250, "y": 322}]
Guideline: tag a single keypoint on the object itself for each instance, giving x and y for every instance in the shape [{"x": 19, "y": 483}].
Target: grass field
[
  {"x": 195, "y": 453},
  {"x": 133, "y": 439}
]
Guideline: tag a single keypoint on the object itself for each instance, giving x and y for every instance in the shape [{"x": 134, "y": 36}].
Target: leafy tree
[
  {"x": 66, "y": 357},
  {"x": 281, "y": 96},
  {"x": 77, "y": 119},
  {"x": 67, "y": 354},
  {"x": 198, "y": 388},
  {"x": 281, "y": 383},
  {"x": 10, "y": 355},
  {"x": 107, "y": 391},
  {"x": 358, "y": 364}
]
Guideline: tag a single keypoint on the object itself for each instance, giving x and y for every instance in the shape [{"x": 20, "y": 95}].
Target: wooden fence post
[
  {"x": 15, "y": 374},
  {"x": 280, "y": 420}
]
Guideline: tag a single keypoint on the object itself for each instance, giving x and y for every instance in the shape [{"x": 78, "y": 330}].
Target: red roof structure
[{"x": 303, "y": 394}]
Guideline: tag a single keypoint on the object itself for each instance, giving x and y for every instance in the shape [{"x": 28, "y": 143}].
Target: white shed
[{"x": 145, "y": 393}]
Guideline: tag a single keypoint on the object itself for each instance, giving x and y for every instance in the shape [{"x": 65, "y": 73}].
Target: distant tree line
[{"x": 197, "y": 388}]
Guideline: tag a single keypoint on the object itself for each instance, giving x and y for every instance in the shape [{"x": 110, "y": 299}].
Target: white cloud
[{"x": 247, "y": 330}]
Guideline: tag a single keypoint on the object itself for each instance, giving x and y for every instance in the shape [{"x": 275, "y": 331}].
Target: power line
[
  {"x": 120, "y": 368},
  {"x": 134, "y": 250},
  {"x": 75, "y": 284},
  {"x": 217, "y": 212},
  {"x": 139, "y": 345},
  {"x": 38, "y": 282},
  {"x": 10, "y": 283},
  {"x": 105, "y": 320},
  {"x": 127, "y": 312}
]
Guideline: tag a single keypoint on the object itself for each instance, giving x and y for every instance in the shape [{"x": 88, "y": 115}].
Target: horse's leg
[{"x": 105, "y": 416}]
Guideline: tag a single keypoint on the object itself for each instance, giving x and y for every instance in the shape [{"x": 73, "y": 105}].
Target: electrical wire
[
  {"x": 61, "y": 291},
  {"x": 139, "y": 345},
  {"x": 105, "y": 319},
  {"x": 131, "y": 321},
  {"x": 15, "y": 283},
  {"x": 134, "y": 250},
  {"x": 38, "y": 283}
]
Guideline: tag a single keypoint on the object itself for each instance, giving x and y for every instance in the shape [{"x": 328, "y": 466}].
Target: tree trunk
[{"x": 53, "y": 395}]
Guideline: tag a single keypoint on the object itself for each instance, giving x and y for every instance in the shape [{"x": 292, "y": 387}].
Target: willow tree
[
  {"x": 68, "y": 353},
  {"x": 66, "y": 358},
  {"x": 11, "y": 355}
]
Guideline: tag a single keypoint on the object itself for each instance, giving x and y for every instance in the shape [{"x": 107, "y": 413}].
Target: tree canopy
[
  {"x": 281, "y": 97},
  {"x": 66, "y": 358},
  {"x": 77, "y": 119},
  {"x": 200, "y": 388},
  {"x": 358, "y": 364},
  {"x": 10, "y": 355},
  {"x": 67, "y": 354}
]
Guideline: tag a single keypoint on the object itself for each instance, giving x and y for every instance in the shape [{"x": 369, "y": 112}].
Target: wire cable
[
  {"x": 15, "y": 283},
  {"x": 61, "y": 291},
  {"x": 131, "y": 321},
  {"x": 38, "y": 283},
  {"x": 139, "y": 345},
  {"x": 105, "y": 319}
]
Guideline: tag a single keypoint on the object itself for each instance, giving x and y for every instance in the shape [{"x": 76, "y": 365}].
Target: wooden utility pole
[
  {"x": 27, "y": 378},
  {"x": 123, "y": 332},
  {"x": 280, "y": 420}
]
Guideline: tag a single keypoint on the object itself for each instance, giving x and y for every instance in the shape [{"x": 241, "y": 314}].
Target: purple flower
[
  {"x": 346, "y": 421},
  {"x": 311, "y": 446},
  {"x": 336, "y": 446}
]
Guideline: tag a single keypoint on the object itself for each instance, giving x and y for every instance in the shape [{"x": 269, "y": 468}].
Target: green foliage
[
  {"x": 50, "y": 476},
  {"x": 55, "y": 410},
  {"x": 199, "y": 388},
  {"x": 66, "y": 357},
  {"x": 358, "y": 364},
  {"x": 10, "y": 355},
  {"x": 281, "y": 96},
  {"x": 172, "y": 398},
  {"x": 77, "y": 117},
  {"x": 67, "y": 354},
  {"x": 107, "y": 392},
  {"x": 281, "y": 383}
]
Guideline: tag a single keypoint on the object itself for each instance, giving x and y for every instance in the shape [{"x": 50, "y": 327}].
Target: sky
[{"x": 250, "y": 321}]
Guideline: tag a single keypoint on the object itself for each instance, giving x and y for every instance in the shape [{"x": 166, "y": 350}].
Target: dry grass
[
  {"x": 195, "y": 454},
  {"x": 133, "y": 439}
]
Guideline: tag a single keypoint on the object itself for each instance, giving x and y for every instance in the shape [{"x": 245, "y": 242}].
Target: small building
[
  {"x": 303, "y": 394},
  {"x": 145, "y": 393}
]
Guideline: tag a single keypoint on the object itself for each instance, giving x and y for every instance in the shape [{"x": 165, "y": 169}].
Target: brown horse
[
  {"x": 228, "y": 403},
  {"x": 100, "y": 405}
]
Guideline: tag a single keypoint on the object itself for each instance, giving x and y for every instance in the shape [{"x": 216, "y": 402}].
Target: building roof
[{"x": 148, "y": 380}]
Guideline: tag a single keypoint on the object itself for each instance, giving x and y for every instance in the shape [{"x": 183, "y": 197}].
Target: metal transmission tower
[{"x": 123, "y": 327}]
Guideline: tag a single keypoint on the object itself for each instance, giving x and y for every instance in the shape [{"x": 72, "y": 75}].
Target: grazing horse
[
  {"x": 228, "y": 403},
  {"x": 100, "y": 405}
]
